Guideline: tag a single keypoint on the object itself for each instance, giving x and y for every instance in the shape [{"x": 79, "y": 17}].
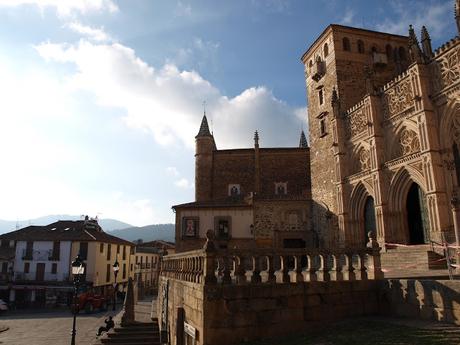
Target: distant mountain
[
  {"x": 107, "y": 224},
  {"x": 147, "y": 233}
]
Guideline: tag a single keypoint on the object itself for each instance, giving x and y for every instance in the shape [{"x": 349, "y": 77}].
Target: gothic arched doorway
[
  {"x": 369, "y": 218},
  {"x": 416, "y": 216}
]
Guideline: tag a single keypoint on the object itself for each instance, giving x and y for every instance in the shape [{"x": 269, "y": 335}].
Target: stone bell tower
[{"x": 205, "y": 146}]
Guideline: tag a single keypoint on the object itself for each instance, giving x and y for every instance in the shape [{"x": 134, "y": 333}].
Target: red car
[{"x": 89, "y": 302}]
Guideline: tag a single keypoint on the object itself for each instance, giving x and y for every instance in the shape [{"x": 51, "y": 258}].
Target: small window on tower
[
  {"x": 346, "y": 44},
  {"x": 321, "y": 96},
  {"x": 233, "y": 189},
  {"x": 281, "y": 188},
  {"x": 326, "y": 50},
  {"x": 360, "y": 47},
  {"x": 322, "y": 127},
  {"x": 389, "y": 51},
  {"x": 222, "y": 227}
]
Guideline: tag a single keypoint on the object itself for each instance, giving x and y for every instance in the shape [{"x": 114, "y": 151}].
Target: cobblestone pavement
[{"x": 50, "y": 328}]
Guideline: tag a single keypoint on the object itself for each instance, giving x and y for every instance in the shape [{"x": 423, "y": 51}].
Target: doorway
[
  {"x": 369, "y": 218},
  {"x": 416, "y": 216},
  {"x": 40, "y": 274}
]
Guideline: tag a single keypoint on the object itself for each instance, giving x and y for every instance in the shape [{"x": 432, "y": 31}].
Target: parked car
[{"x": 3, "y": 305}]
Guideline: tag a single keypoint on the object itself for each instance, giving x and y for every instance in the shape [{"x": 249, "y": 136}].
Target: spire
[
  {"x": 256, "y": 139},
  {"x": 303, "y": 141},
  {"x": 426, "y": 43},
  {"x": 204, "y": 128},
  {"x": 414, "y": 48}
]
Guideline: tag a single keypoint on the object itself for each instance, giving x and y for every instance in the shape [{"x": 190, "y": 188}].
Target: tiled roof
[
  {"x": 228, "y": 202},
  {"x": 64, "y": 230},
  {"x": 158, "y": 244}
]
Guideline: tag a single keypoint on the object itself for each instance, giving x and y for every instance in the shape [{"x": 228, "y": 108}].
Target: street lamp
[
  {"x": 78, "y": 269},
  {"x": 116, "y": 268}
]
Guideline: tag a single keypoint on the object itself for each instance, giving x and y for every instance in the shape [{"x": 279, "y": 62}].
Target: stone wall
[
  {"x": 239, "y": 313},
  {"x": 186, "y": 295},
  {"x": 437, "y": 300}
]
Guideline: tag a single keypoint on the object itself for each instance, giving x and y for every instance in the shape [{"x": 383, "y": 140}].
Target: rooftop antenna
[{"x": 17, "y": 224}]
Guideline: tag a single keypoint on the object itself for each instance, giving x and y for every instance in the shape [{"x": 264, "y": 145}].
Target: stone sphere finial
[{"x": 372, "y": 240}]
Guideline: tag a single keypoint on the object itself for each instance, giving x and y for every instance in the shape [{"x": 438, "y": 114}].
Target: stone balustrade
[{"x": 232, "y": 266}]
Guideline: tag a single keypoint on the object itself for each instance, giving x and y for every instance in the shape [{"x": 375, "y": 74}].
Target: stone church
[
  {"x": 384, "y": 117},
  {"x": 384, "y": 155}
]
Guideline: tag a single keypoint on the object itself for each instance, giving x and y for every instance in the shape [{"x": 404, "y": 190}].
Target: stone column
[
  {"x": 455, "y": 204},
  {"x": 12, "y": 295},
  {"x": 128, "y": 312}
]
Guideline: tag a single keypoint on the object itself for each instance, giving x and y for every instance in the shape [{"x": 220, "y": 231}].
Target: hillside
[
  {"x": 107, "y": 224},
  {"x": 163, "y": 232}
]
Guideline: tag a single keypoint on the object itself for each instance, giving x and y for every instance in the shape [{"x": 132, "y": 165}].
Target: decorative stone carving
[
  {"x": 456, "y": 125},
  {"x": 450, "y": 67},
  {"x": 356, "y": 123},
  {"x": 409, "y": 142},
  {"x": 398, "y": 98},
  {"x": 364, "y": 159}
]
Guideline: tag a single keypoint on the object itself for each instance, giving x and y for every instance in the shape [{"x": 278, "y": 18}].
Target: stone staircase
[
  {"x": 138, "y": 333},
  {"x": 413, "y": 261}
]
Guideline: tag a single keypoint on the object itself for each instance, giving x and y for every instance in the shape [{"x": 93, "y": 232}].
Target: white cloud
[
  {"x": 173, "y": 171},
  {"x": 96, "y": 34},
  {"x": 184, "y": 183},
  {"x": 66, "y": 7},
  {"x": 167, "y": 102},
  {"x": 435, "y": 16},
  {"x": 348, "y": 18},
  {"x": 183, "y": 10}
]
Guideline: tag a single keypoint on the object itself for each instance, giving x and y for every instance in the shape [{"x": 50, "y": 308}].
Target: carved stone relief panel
[
  {"x": 398, "y": 98},
  {"x": 364, "y": 159},
  {"x": 356, "y": 123},
  {"x": 409, "y": 142},
  {"x": 450, "y": 67}
]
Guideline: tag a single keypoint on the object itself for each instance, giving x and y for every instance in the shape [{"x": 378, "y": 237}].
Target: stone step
[
  {"x": 137, "y": 329},
  {"x": 138, "y": 341},
  {"x": 123, "y": 335}
]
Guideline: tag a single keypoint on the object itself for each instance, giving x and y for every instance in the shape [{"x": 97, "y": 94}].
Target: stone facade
[
  {"x": 258, "y": 197},
  {"x": 384, "y": 112}
]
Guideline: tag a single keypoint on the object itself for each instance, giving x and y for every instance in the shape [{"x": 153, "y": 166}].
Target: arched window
[
  {"x": 388, "y": 51},
  {"x": 360, "y": 47},
  {"x": 346, "y": 44},
  {"x": 310, "y": 65},
  {"x": 402, "y": 53},
  {"x": 374, "y": 49},
  {"x": 326, "y": 50}
]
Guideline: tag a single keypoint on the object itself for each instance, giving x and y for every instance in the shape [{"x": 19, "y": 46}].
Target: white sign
[{"x": 190, "y": 330}]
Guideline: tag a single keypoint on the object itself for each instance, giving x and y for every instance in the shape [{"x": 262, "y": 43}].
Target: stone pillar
[
  {"x": 180, "y": 318},
  {"x": 128, "y": 312},
  {"x": 12, "y": 295},
  {"x": 455, "y": 204},
  {"x": 32, "y": 295}
]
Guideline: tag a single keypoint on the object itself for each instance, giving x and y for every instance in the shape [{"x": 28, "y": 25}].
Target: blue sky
[{"x": 101, "y": 99}]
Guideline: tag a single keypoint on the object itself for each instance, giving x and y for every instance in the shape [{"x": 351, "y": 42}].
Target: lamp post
[
  {"x": 78, "y": 269},
  {"x": 116, "y": 268}
]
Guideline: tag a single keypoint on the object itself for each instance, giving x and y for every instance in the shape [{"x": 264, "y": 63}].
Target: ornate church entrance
[
  {"x": 369, "y": 218},
  {"x": 416, "y": 216}
]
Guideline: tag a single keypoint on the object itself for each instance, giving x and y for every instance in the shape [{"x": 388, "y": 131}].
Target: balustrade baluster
[
  {"x": 271, "y": 278},
  {"x": 240, "y": 271},
  {"x": 256, "y": 277},
  {"x": 336, "y": 269},
  {"x": 362, "y": 267},
  {"x": 322, "y": 273},
  {"x": 349, "y": 271},
  {"x": 297, "y": 272},
  {"x": 226, "y": 278},
  {"x": 284, "y": 269}
]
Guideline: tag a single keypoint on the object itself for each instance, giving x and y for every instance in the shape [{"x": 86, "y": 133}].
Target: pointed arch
[
  {"x": 400, "y": 184},
  {"x": 395, "y": 143},
  {"x": 450, "y": 124},
  {"x": 358, "y": 198}
]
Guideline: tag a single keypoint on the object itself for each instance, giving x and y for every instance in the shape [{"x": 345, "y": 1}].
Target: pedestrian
[{"x": 109, "y": 324}]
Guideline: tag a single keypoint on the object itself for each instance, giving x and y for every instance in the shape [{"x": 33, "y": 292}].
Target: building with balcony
[{"x": 39, "y": 272}]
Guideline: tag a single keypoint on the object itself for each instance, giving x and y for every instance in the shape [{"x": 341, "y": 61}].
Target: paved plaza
[{"x": 50, "y": 328}]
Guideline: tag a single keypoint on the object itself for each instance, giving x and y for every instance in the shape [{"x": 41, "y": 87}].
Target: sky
[{"x": 100, "y": 100}]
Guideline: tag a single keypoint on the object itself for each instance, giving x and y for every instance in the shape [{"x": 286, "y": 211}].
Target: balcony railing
[
  {"x": 47, "y": 277},
  {"x": 40, "y": 255}
]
